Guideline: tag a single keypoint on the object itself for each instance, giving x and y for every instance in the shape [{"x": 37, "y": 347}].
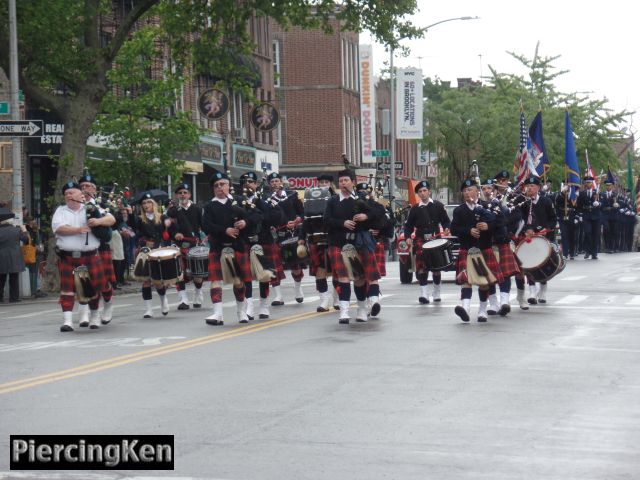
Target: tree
[{"x": 482, "y": 122}]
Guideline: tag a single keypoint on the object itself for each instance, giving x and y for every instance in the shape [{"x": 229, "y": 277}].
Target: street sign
[
  {"x": 4, "y": 108},
  {"x": 380, "y": 153},
  {"x": 387, "y": 166},
  {"x": 20, "y": 128}
]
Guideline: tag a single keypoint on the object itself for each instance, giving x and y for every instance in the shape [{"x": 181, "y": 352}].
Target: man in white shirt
[{"x": 77, "y": 246}]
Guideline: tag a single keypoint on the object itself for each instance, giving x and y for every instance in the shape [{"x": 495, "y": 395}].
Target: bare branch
[{"x": 125, "y": 28}]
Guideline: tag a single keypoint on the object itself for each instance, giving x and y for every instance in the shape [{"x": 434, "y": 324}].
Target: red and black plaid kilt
[
  {"x": 318, "y": 258},
  {"x": 183, "y": 259},
  {"x": 215, "y": 269},
  {"x": 421, "y": 266},
  {"x": 381, "y": 259},
  {"x": 272, "y": 252},
  {"x": 106, "y": 256},
  {"x": 489, "y": 258},
  {"x": 371, "y": 273},
  {"x": 508, "y": 264},
  {"x": 67, "y": 264}
]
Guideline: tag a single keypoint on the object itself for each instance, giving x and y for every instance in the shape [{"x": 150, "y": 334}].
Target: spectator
[
  {"x": 11, "y": 262},
  {"x": 35, "y": 239}
]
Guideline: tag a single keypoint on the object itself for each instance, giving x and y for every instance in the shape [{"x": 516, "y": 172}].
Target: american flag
[
  {"x": 589, "y": 172},
  {"x": 523, "y": 166}
]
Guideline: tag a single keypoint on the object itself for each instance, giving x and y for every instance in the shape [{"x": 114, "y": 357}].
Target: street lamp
[{"x": 392, "y": 139}]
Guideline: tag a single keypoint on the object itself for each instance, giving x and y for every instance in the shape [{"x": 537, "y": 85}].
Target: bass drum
[
  {"x": 437, "y": 254},
  {"x": 164, "y": 266},
  {"x": 539, "y": 259}
]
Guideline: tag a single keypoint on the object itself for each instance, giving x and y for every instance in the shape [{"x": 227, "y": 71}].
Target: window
[
  {"x": 343, "y": 56},
  {"x": 5, "y": 157},
  {"x": 237, "y": 120},
  {"x": 276, "y": 63}
]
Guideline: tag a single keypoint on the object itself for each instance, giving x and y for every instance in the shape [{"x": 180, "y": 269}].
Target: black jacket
[
  {"x": 339, "y": 211},
  {"x": 426, "y": 219}
]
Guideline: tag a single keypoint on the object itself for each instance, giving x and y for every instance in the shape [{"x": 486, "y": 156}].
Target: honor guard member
[
  {"x": 351, "y": 247},
  {"x": 260, "y": 234},
  {"x": 364, "y": 191},
  {"x": 568, "y": 221},
  {"x": 473, "y": 224},
  {"x": 79, "y": 264},
  {"x": 89, "y": 190},
  {"x": 506, "y": 224},
  {"x": 315, "y": 237},
  {"x": 589, "y": 206},
  {"x": 426, "y": 217},
  {"x": 151, "y": 231},
  {"x": 223, "y": 220},
  {"x": 185, "y": 233},
  {"x": 539, "y": 216},
  {"x": 610, "y": 206},
  {"x": 293, "y": 211}
]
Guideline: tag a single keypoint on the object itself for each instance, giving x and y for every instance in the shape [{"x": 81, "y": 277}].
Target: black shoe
[
  {"x": 197, "y": 305},
  {"x": 595, "y": 257},
  {"x": 336, "y": 307},
  {"x": 264, "y": 316},
  {"x": 423, "y": 300},
  {"x": 532, "y": 301},
  {"x": 214, "y": 322},
  {"x": 344, "y": 321},
  {"x": 94, "y": 327},
  {"x": 321, "y": 310},
  {"x": 300, "y": 300},
  {"x": 482, "y": 319},
  {"x": 244, "y": 320},
  {"x": 586, "y": 256},
  {"x": 491, "y": 312},
  {"x": 504, "y": 309},
  {"x": 66, "y": 328},
  {"x": 375, "y": 309},
  {"x": 542, "y": 300},
  {"x": 572, "y": 258},
  {"x": 183, "y": 306},
  {"x": 462, "y": 313},
  {"x": 277, "y": 303}
]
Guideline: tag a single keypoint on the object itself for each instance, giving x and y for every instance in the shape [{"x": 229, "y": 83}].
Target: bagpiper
[{"x": 589, "y": 206}]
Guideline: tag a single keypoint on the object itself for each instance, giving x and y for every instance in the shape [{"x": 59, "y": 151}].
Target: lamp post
[{"x": 392, "y": 132}]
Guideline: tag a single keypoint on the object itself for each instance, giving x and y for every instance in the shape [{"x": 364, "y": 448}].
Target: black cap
[
  {"x": 248, "y": 176},
  {"x": 325, "y": 176},
  {"x": 273, "y": 175},
  {"x": 362, "y": 186},
  {"x": 502, "y": 174},
  {"x": 489, "y": 181},
  {"x": 87, "y": 178},
  {"x": 182, "y": 186},
  {"x": 422, "y": 184},
  {"x": 217, "y": 175},
  {"x": 469, "y": 182},
  {"x": 588, "y": 178},
  {"x": 69, "y": 185},
  {"x": 532, "y": 180},
  {"x": 146, "y": 196},
  {"x": 347, "y": 172}
]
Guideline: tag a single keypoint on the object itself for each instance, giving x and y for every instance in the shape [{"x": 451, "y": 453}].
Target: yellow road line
[{"x": 121, "y": 360}]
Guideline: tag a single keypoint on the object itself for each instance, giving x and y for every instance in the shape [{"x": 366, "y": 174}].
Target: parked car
[{"x": 406, "y": 258}]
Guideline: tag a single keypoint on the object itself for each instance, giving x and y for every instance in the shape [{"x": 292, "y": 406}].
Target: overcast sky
[{"x": 598, "y": 42}]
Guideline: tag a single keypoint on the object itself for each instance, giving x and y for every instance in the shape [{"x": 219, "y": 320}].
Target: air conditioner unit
[{"x": 239, "y": 133}]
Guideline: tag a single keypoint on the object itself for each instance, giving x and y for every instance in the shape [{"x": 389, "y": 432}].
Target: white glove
[
  {"x": 596, "y": 204},
  {"x": 622, "y": 210}
]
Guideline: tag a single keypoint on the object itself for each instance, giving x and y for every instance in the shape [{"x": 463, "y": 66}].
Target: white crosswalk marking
[
  {"x": 572, "y": 279},
  {"x": 634, "y": 301},
  {"x": 572, "y": 299},
  {"x": 627, "y": 279}
]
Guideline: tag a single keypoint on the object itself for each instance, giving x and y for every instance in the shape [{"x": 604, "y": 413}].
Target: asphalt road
[{"x": 549, "y": 393}]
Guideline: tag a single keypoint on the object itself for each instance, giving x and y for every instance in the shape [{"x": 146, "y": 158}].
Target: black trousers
[{"x": 14, "y": 289}]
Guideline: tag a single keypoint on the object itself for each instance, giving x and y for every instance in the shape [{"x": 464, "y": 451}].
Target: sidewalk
[{"x": 55, "y": 296}]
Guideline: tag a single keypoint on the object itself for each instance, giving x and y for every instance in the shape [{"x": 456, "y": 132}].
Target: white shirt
[
  {"x": 78, "y": 218},
  {"x": 424, "y": 204},
  {"x": 472, "y": 206},
  {"x": 180, "y": 207},
  {"x": 221, "y": 200},
  {"x": 342, "y": 197}
]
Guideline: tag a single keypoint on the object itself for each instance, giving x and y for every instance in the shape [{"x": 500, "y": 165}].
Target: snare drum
[
  {"x": 198, "y": 262},
  {"x": 539, "y": 259},
  {"x": 164, "y": 266},
  {"x": 288, "y": 251},
  {"x": 437, "y": 254}
]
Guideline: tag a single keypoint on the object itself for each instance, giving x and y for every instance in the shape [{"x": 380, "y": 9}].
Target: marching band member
[
  {"x": 568, "y": 221},
  {"x": 223, "y": 220},
  {"x": 427, "y": 216},
  {"x": 260, "y": 234},
  {"x": 77, "y": 246},
  {"x": 589, "y": 205},
  {"x": 318, "y": 256},
  {"x": 473, "y": 224},
  {"x": 185, "y": 232},
  {"x": 348, "y": 220},
  {"x": 151, "y": 231},
  {"x": 610, "y": 208},
  {"x": 293, "y": 211},
  {"x": 538, "y": 215},
  {"x": 89, "y": 189}
]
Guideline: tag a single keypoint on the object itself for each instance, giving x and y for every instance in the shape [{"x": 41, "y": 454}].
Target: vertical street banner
[
  {"x": 367, "y": 104},
  {"x": 409, "y": 103}
]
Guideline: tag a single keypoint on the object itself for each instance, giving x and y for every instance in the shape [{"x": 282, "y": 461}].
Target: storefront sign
[{"x": 367, "y": 104}]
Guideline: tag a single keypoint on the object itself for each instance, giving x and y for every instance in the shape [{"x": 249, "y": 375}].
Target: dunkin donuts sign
[{"x": 297, "y": 183}]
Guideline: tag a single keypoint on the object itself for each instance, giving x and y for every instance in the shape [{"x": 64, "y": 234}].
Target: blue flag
[
  {"x": 571, "y": 158},
  {"x": 611, "y": 177},
  {"x": 538, "y": 150}
]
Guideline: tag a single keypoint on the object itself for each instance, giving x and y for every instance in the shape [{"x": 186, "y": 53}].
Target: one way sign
[{"x": 20, "y": 128}]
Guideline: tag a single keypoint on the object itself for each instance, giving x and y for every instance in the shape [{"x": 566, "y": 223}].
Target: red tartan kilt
[
  {"x": 508, "y": 264},
  {"x": 318, "y": 258},
  {"x": 183, "y": 259},
  {"x": 107, "y": 265},
  {"x": 371, "y": 273},
  {"x": 215, "y": 269},
  {"x": 96, "y": 272},
  {"x": 489, "y": 258},
  {"x": 272, "y": 252},
  {"x": 421, "y": 266},
  {"x": 381, "y": 259}
]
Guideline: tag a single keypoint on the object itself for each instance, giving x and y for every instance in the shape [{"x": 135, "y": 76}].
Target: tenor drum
[
  {"x": 539, "y": 259},
  {"x": 288, "y": 252},
  {"x": 437, "y": 254},
  {"x": 315, "y": 202},
  {"x": 164, "y": 266},
  {"x": 198, "y": 262}
]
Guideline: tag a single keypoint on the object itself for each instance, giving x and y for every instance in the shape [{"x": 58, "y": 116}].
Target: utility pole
[{"x": 16, "y": 147}]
